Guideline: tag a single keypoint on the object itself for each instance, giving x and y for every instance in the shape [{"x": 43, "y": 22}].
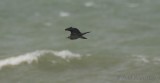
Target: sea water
[{"x": 123, "y": 46}]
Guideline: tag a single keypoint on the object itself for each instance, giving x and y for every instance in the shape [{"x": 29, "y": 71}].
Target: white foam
[
  {"x": 141, "y": 58},
  {"x": 66, "y": 54},
  {"x": 89, "y": 4},
  {"x": 147, "y": 59},
  {"x": 64, "y": 14},
  {"x": 33, "y": 57}
]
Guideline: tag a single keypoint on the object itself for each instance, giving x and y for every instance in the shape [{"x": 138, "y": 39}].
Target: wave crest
[{"x": 33, "y": 57}]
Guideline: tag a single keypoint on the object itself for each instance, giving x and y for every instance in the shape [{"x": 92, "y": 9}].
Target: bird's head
[{"x": 69, "y": 29}]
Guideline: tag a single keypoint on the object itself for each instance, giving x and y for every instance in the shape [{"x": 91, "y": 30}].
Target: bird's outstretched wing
[{"x": 74, "y": 31}]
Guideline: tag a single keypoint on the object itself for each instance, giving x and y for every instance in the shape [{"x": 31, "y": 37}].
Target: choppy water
[{"x": 123, "y": 46}]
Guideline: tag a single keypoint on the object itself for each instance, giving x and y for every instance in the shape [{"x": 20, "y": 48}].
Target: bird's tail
[{"x": 85, "y": 33}]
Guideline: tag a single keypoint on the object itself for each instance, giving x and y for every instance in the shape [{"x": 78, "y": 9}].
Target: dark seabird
[{"x": 75, "y": 33}]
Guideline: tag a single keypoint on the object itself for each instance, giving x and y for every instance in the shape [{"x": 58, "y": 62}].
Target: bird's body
[{"x": 75, "y": 33}]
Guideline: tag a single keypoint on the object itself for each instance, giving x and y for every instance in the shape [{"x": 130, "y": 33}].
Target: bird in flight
[{"x": 75, "y": 33}]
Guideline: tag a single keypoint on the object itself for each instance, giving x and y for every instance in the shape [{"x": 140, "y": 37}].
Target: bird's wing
[{"x": 75, "y": 31}]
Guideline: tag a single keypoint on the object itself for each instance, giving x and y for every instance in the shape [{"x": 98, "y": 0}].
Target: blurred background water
[{"x": 123, "y": 45}]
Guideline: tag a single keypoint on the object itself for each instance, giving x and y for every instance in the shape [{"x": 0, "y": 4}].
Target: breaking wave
[{"x": 34, "y": 57}]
